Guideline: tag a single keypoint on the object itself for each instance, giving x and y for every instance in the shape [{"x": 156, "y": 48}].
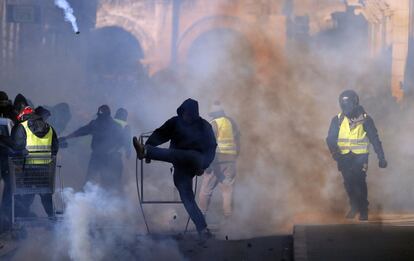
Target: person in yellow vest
[
  {"x": 33, "y": 136},
  {"x": 350, "y": 134},
  {"x": 121, "y": 117},
  {"x": 222, "y": 171}
]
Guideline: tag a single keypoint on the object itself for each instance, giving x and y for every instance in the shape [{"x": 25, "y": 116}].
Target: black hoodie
[{"x": 194, "y": 133}]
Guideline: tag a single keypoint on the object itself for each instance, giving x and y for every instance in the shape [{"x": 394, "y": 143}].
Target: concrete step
[{"x": 360, "y": 241}]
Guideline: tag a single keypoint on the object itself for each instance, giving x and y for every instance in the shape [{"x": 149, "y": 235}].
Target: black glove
[{"x": 382, "y": 163}]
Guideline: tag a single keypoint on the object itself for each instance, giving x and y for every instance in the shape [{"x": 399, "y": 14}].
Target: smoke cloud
[
  {"x": 101, "y": 226},
  {"x": 282, "y": 97}
]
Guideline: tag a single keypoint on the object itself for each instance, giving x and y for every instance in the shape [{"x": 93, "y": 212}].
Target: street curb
[{"x": 300, "y": 250}]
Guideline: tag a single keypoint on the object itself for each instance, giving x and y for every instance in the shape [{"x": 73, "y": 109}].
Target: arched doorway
[
  {"x": 219, "y": 62},
  {"x": 113, "y": 62}
]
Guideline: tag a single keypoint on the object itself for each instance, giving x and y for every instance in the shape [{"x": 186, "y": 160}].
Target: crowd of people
[{"x": 197, "y": 147}]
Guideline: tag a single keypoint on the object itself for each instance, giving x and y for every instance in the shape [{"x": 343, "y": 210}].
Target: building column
[{"x": 400, "y": 35}]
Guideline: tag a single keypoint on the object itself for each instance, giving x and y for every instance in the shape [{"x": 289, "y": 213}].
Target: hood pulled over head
[{"x": 188, "y": 110}]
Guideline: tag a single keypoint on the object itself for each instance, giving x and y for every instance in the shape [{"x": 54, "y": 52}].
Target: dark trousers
[
  {"x": 106, "y": 170},
  {"x": 187, "y": 163},
  {"x": 353, "y": 168},
  {"x": 23, "y": 203}
]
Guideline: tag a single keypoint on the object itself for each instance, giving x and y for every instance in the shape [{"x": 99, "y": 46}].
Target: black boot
[
  {"x": 363, "y": 216},
  {"x": 205, "y": 234}
]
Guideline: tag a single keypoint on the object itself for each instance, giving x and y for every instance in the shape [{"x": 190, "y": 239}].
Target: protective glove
[{"x": 382, "y": 163}]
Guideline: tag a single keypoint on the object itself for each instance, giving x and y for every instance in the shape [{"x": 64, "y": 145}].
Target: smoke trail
[{"x": 67, "y": 9}]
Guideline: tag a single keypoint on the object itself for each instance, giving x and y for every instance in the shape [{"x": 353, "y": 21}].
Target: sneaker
[
  {"x": 205, "y": 234},
  {"x": 139, "y": 148},
  {"x": 351, "y": 214},
  {"x": 363, "y": 216}
]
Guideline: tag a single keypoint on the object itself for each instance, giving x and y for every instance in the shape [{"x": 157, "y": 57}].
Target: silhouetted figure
[
  {"x": 192, "y": 149},
  {"x": 349, "y": 137},
  {"x": 7, "y": 117},
  {"x": 222, "y": 171},
  {"x": 121, "y": 117},
  {"x": 106, "y": 143},
  {"x": 59, "y": 117}
]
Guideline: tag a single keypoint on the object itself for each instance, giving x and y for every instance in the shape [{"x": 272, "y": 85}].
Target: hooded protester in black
[
  {"x": 187, "y": 131},
  {"x": 192, "y": 149},
  {"x": 106, "y": 143}
]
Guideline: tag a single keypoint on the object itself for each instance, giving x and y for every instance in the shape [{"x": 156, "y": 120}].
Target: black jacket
[
  {"x": 39, "y": 128},
  {"x": 197, "y": 135},
  {"x": 369, "y": 127},
  {"x": 106, "y": 134}
]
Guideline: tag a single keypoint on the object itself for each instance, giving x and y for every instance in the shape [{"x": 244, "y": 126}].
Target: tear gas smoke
[
  {"x": 99, "y": 225},
  {"x": 68, "y": 11},
  {"x": 282, "y": 99}
]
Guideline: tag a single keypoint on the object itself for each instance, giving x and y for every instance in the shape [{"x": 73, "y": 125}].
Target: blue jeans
[{"x": 187, "y": 163}]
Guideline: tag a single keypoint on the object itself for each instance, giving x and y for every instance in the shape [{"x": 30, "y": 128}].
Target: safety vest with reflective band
[
  {"x": 38, "y": 147},
  {"x": 225, "y": 137},
  {"x": 121, "y": 122},
  {"x": 352, "y": 139}
]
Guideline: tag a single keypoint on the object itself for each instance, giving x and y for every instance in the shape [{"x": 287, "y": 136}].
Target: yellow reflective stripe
[
  {"x": 354, "y": 140},
  {"x": 39, "y": 148},
  {"x": 359, "y": 147}
]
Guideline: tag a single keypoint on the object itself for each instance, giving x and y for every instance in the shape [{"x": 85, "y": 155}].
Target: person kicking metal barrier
[{"x": 192, "y": 149}]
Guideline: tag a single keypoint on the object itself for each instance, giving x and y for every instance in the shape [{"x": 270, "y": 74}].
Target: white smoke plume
[
  {"x": 68, "y": 10},
  {"x": 99, "y": 225}
]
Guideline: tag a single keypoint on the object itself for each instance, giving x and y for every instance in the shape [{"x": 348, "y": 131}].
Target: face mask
[{"x": 347, "y": 106}]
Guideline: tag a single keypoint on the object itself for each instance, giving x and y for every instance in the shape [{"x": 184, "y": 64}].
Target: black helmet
[
  {"x": 121, "y": 114},
  {"x": 104, "y": 111},
  {"x": 348, "y": 101}
]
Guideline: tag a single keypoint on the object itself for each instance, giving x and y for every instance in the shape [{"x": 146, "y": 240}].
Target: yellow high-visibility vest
[
  {"x": 353, "y": 140},
  {"x": 225, "y": 136},
  {"x": 39, "y": 148},
  {"x": 121, "y": 122}
]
